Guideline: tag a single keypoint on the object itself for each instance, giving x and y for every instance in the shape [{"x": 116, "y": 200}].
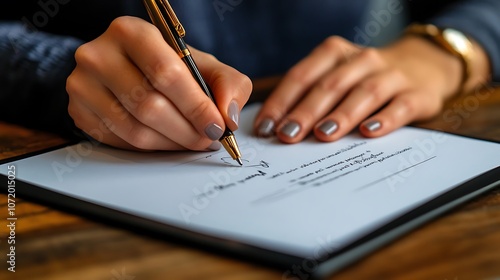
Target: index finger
[{"x": 230, "y": 88}]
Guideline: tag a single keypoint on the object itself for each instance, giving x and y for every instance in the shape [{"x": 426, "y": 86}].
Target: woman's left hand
[{"x": 341, "y": 86}]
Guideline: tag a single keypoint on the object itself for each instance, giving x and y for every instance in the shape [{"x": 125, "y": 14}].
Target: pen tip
[{"x": 239, "y": 161}]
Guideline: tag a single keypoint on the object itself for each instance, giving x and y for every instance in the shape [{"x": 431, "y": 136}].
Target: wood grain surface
[{"x": 50, "y": 244}]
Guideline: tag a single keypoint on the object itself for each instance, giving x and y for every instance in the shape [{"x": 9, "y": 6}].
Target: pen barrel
[
  {"x": 163, "y": 20},
  {"x": 188, "y": 59}
]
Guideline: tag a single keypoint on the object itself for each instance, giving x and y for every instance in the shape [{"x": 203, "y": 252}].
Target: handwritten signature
[{"x": 229, "y": 161}]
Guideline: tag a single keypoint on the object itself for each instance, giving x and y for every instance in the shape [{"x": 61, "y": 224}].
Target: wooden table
[{"x": 464, "y": 244}]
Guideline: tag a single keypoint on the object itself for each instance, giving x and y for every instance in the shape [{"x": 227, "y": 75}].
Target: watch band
[{"x": 450, "y": 40}]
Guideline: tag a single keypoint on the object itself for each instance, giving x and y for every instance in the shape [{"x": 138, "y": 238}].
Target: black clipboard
[{"x": 316, "y": 269}]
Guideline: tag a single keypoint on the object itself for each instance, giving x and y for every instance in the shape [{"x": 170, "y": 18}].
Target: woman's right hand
[{"x": 131, "y": 90}]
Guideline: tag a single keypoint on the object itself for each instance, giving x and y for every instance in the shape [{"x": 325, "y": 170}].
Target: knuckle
[
  {"x": 121, "y": 22},
  {"x": 343, "y": 118},
  {"x": 296, "y": 73},
  {"x": 409, "y": 105},
  {"x": 72, "y": 110},
  {"x": 340, "y": 47},
  {"x": 273, "y": 109},
  {"x": 72, "y": 85},
  {"x": 75, "y": 86},
  {"x": 150, "y": 108},
  {"x": 87, "y": 56},
  {"x": 330, "y": 84},
  {"x": 308, "y": 116},
  {"x": 139, "y": 137},
  {"x": 89, "y": 59},
  {"x": 165, "y": 75},
  {"x": 375, "y": 89},
  {"x": 122, "y": 26},
  {"x": 372, "y": 55},
  {"x": 199, "y": 111},
  {"x": 245, "y": 85},
  {"x": 75, "y": 115},
  {"x": 119, "y": 26},
  {"x": 332, "y": 43},
  {"x": 349, "y": 117},
  {"x": 130, "y": 29},
  {"x": 300, "y": 75},
  {"x": 245, "y": 82},
  {"x": 196, "y": 144},
  {"x": 398, "y": 76}
]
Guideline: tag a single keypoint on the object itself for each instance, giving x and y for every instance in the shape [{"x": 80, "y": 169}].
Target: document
[{"x": 294, "y": 199}]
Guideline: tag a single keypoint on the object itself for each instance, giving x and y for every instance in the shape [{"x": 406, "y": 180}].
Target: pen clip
[
  {"x": 163, "y": 16},
  {"x": 173, "y": 18}
]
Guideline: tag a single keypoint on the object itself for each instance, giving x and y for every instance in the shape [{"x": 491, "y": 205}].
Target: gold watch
[{"x": 451, "y": 40}]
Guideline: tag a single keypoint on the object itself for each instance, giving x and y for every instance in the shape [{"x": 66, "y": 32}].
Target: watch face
[{"x": 457, "y": 40}]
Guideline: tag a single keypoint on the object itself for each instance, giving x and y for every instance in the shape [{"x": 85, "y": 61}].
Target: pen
[{"x": 163, "y": 17}]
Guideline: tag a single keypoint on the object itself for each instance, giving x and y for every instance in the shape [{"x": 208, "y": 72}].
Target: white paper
[{"x": 296, "y": 199}]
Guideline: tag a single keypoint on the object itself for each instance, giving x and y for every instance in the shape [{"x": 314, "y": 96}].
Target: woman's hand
[
  {"x": 131, "y": 90},
  {"x": 341, "y": 86}
]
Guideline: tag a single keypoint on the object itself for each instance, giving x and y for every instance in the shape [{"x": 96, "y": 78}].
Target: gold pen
[{"x": 163, "y": 17}]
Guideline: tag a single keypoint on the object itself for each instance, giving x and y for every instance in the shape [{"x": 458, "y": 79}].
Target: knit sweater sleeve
[{"x": 34, "y": 67}]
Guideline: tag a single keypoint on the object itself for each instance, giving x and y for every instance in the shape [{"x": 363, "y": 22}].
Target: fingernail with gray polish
[
  {"x": 373, "y": 126},
  {"x": 328, "y": 127},
  {"x": 214, "y": 131},
  {"x": 291, "y": 129},
  {"x": 234, "y": 112},
  {"x": 266, "y": 127},
  {"x": 215, "y": 146}
]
